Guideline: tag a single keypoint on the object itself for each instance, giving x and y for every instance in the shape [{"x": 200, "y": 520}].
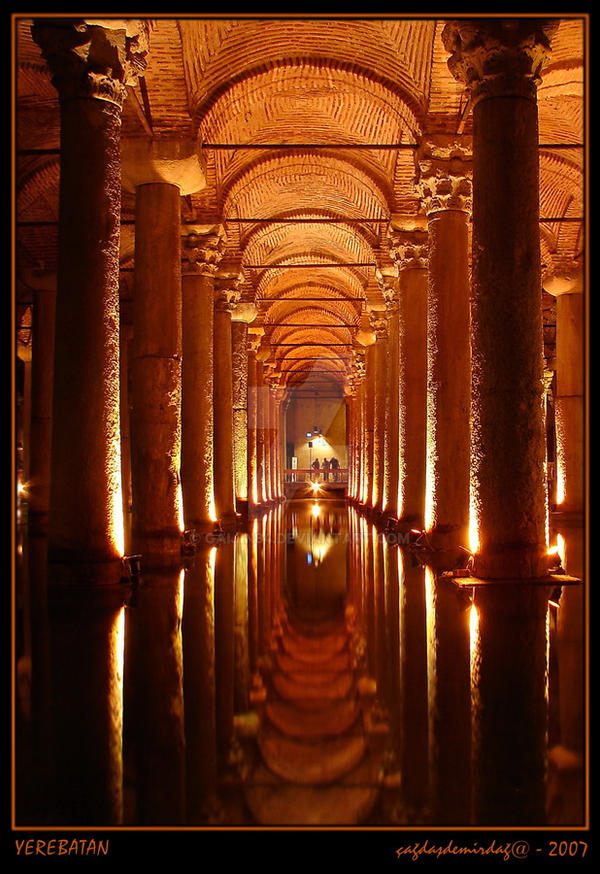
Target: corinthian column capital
[
  {"x": 201, "y": 250},
  {"x": 498, "y": 57},
  {"x": 408, "y": 249},
  {"x": 379, "y": 324},
  {"x": 443, "y": 172},
  {"x": 89, "y": 58}
]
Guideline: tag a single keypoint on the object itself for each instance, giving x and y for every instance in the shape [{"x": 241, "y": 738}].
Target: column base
[
  {"x": 411, "y": 522},
  {"x": 568, "y": 518},
  {"x": 78, "y": 574},
  {"x": 158, "y": 548},
  {"x": 228, "y": 523},
  {"x": 552, "y": 581}
]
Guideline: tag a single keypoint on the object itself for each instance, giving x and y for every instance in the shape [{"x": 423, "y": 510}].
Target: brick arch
[
  {"x": 395, "y": 54},
  {"x": 275, "y": 184}
]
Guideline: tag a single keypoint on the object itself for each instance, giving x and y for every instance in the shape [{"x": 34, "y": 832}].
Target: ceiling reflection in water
[{"x": 305, "y": 672}]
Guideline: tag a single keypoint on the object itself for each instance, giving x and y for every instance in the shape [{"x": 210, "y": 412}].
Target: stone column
[
  {"x": 355, "y": 458},
  {"x": 91, "y": 66},
  {"x": 409, "y": 250},
  {"x": 156, "y": 371},
  {"x": 392, "y": 396},
  {"x": 243, "y": 314},
  {"x": 126, "y": 334},
  {"x": 443, "y": 168},
  {"x": 226, "y": 296},
  {"x": 499, "y": 61},
  {"x": 380, "y": 326},
  {"x": 42, "y": 370},
  {"x": 201, "y": 254},
  {"x": 254, "y": 335},
  {"x": 569, "y": 390},
  {"x": 369, "y": 425},
  {"x": 260, "y": 433},
  {"x": 160, "y": 172}
]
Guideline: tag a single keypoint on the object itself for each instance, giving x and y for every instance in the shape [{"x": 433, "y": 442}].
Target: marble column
[
  {"x": 443, "y": 169},
  {"x": 243, "y": 314},
  {"x": 201, "y": 255},
  {"x": 160, "y": 172},
  {"x": 226, "y": 296},
  {"x": 42, "y": 371},
  {"x": 126, "y": 334},
  {"x": 369, "y": 425},
  {"x": 261, "y": 389},
  {"x": 379, "y": 324},
  {"x": 499, "y": 61},
  {"x": 90, "y": 67},
  {"x": 409, "y": 251},
  {"x": 569, "y": 407},
  {"x": 254, "y": 335},
  {"x": 392, "y": 397}
]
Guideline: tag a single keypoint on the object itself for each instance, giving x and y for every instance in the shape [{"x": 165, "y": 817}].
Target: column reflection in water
[
  {"x": 241, "y": 625},
  {"x": 413, "y": 685},
  {"x": 566, "y": 789},
  {"x": 86, "y": 635},
  {"x": 509, "y": 701},
  {"x": 253, "y": 598},
  {"x": 381, "y": 667},
  {"x": 154, "y": 721},
  {"x": 198, "y": 631},
  {"x": 448, "y": 689},
  {"x": 391, "y": 640},
  {"x": 33, "y": 713},
  {"x": 224, "y": 648}
]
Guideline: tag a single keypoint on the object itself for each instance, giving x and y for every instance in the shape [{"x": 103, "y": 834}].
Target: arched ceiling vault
[{"x": 331, "y": 109}]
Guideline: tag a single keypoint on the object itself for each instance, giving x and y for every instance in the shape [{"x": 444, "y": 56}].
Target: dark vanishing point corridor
[{"x": 300, "y": 433}]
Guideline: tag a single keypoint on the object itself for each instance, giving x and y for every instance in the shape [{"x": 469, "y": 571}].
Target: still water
[{"x": 309, "y": 671}]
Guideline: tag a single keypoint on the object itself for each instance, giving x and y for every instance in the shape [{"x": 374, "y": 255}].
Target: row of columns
[
  {"x": 147, "y": 416},
  {"x": 463, "y": 385}
]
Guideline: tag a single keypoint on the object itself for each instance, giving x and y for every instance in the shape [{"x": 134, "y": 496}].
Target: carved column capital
[
  {"x": 498, "y": 57},
  {"x": 201, "y": 253},
  {"x": 379, "y": 324},
  {"x": 255, "y": 335},
  {"x": 226, "y": 299},
  {"x": 93, "y": 58},
  {"x": 389, "y": 290},
  {"x": 227, "y": 286},
  {"x": 443, "y": 173},
  {"x": 408, "y": 249}
]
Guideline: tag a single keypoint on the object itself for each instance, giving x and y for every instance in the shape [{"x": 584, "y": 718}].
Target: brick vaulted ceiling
[{"x": 321, "y": 87}]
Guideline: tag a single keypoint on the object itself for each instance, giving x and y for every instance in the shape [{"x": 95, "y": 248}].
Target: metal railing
[{"x": 310, "y": 475}]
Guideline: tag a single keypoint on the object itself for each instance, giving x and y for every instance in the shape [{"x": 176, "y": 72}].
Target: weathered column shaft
[
  {"x": 260, "y": 432},
  {"x": 156, "y": 371},
  {"x": 569, "y": 402},
  {"x": 223, "y": 412},
  {"x": 445, "y": 189},
  {"x": 369, "y": 425},
  {"x": 239, "y": 338},
  {"x": 89, "y": 72},
  {"x": 379, "y": 414},
  {"x": 201, "y": 256},
  {"x": 392, "y": 397},
  {"x": 125, "y": 345},
  {"x": 42, "y": 372},
  {"x": 252, "y": 429},
  {"x": 410, "y": 254},
  {"x": 500, "y": 62}
]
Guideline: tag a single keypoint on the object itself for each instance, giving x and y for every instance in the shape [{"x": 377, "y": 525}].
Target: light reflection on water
[{"x": 309, "y": 671}]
